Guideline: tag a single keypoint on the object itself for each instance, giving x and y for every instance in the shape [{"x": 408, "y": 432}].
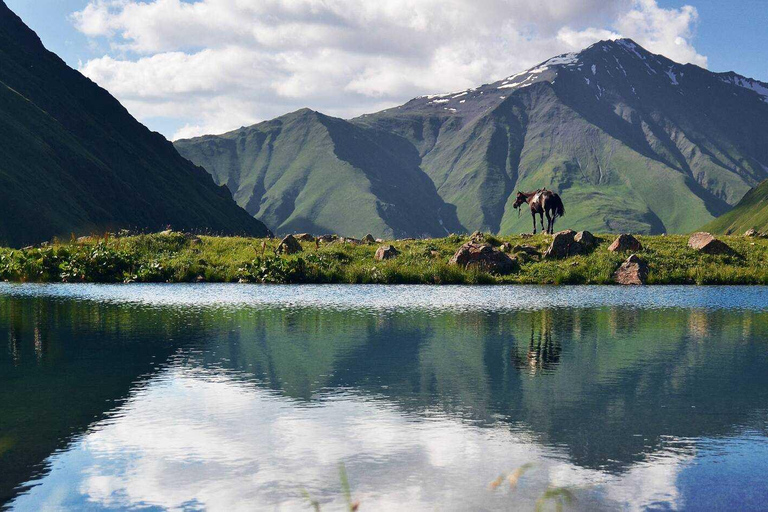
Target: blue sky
[{"x": 186, "y": 71}]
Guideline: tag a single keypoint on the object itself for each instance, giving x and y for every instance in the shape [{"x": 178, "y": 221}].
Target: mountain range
[
  {"x": 631, "y": 140},
  {"x": 74, "y": 161}
]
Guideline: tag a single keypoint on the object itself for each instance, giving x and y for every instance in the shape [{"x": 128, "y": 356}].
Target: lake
[{"x": 239, "y": 397}]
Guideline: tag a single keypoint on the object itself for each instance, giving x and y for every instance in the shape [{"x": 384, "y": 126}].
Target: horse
[{"x": 543, "y": 202}]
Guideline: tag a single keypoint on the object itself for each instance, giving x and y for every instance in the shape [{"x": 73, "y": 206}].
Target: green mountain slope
[
  {"x": 73, "y": 160},
  {"x": 631, "y": 140},
  {"x": 309, "y": 172},
  {"x": 750, "y": 213}
]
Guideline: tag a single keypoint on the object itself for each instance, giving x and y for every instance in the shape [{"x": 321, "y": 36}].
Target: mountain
[
  {"x": 306, "y": 171},
  {"x": 633, "y": 142},
  {"x": 751, "y": 212},
  {"x": 73, "y": 160}
]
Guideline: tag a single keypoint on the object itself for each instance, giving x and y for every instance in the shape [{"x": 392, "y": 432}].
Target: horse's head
[{"x": 521, "y": 198}]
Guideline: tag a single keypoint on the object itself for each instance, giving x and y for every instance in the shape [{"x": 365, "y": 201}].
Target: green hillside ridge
[
  {"x": 309, "y": 172},
  {"x": 74, "y": 161},
  {"x": 750, "y": 213},
  {"x": 631, "y": 140}
]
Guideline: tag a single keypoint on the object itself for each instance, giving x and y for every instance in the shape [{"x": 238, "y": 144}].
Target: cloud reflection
[{"x": 193, "y": 439}]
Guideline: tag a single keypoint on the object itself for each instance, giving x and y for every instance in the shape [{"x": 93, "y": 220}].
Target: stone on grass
[
  {"x": 625, "y": 242},
  {"x": 386, "y": 252},
  {"x": 327, "y": 239},
  {"x": 633, "y": 271},
  {"x": 708, "y": 244},
  {"x": 368, "y": 239},
  {"x": 527, "y": 249},
  {"x": 563, "y": 245},
  {"x": 484, "y": 257},
  {"x": 586, "y": 239},
  {"x": 304, "y": 237},
  {"x": 289, "y": 245}
]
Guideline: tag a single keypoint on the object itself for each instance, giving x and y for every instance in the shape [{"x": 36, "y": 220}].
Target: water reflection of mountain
[{"x": 607, "y": 385}]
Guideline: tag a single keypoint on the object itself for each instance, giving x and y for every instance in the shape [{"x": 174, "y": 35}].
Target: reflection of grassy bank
[{"x": 176, "y": 258}]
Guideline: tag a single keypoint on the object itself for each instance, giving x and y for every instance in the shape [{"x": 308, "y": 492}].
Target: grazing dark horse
[{"x": 543, "y": 202}]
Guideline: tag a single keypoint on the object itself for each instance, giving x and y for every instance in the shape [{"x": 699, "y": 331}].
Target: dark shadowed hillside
[{"x": 73, "y": 160}]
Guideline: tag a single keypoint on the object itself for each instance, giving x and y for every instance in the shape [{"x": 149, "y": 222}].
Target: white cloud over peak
[{"x": 215, "y": 65}]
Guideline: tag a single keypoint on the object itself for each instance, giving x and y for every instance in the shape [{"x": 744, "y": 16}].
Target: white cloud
[{"x": 216, "y": 64}]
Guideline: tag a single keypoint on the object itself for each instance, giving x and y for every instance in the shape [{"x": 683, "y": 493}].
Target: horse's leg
[
  {"x": 541, "y": 219},
  {"x": 533, "y": 215},
  {"x": 550, "y": 223}
]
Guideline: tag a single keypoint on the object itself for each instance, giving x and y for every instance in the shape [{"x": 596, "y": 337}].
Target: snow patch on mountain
[
  {"x": 672, "y": 76},
  {"x": 747, "y": 83}
]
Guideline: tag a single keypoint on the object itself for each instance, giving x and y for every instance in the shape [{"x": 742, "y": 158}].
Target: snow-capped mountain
[{"x": 633, "y": 141}]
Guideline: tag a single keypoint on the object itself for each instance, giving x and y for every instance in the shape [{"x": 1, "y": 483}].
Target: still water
[{"x": 217, "y": 397}]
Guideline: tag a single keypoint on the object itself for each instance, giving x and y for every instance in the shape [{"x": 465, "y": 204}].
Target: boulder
[
  {"x": 484, "y": 257},
  {"x": 304, "y": 237},
  {"x": 625, "y": 242},
  {"x": 506, "y": 247},
  {"x": 289, "y": 245},
  {"x": 386, "y": 252},
  {"x": 586, "y": 239},
  {"x": 563, "y": 245},
  {"x": 527, "y": 249},
  {"x": 351, "y": 241},
  {"x": 477, "y": 237},
  {"x": 708, "y": 244},
  {"x": 632, "y": 271},
  {"x": 327, "y": 239},
  {"x": 751, "y": 232},
  {"x": 368, "y": 239}
]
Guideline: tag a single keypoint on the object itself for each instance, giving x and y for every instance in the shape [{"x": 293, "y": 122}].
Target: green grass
[{"x": 177, "y": 258}]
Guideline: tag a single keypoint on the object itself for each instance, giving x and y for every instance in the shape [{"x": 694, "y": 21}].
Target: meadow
[{"x": 180, "y": 258}]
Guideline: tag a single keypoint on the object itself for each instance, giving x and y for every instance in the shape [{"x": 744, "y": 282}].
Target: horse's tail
[{"x": 559, "y": 208}]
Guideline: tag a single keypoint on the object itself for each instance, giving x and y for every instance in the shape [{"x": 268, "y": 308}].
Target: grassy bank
[{"x": 178, "y": 258}]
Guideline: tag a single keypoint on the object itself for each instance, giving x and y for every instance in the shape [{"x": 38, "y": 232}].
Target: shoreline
[{"x": 173, "y": 257}]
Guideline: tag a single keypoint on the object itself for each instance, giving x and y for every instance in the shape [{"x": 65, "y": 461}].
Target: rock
[
  {"x": 564, "y": 244},
  {"x": 506, "y": 247},
  {"x": 708, "y": 244},
  {"x": 526, "y": 235},
  {"x": 199, "y": 279},
  {"x": 351, "y": 241},
  {"x": 434, "y": 254},
  {"x": 327, "y": 239},
  {"x": 368, "y": 239},
  {"x": 195, "y": 241},
  {"x": 586, "y": 239},
  {"x": 484, "y": 257},
  {"x": 477, "y": 237},
  {"x": 751, "y": 232},
  {"x": 166, "y": 232},
  {"x": 632, "y": 271},
  {"x": 625, "y": 242},
  {"x": 386, "y": 252},
  {"x": 304, "y": 237},
  {"x": 289, "y": 245},
  {"x": 527, "y": 249},
  {"x": 379, "y": 240}
]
